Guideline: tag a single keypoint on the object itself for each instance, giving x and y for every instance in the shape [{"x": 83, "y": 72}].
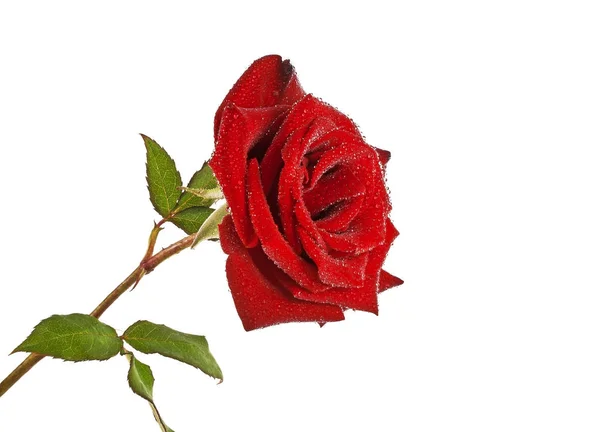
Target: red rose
[{"x": 309, "y": 228}]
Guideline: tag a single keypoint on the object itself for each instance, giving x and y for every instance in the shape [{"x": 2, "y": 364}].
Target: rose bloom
[{"x": 309, "y": 226}]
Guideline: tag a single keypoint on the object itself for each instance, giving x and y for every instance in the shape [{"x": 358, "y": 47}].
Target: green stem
[
  {"x": 152, "y": 239},
  {"x": 149, "y": 263}
]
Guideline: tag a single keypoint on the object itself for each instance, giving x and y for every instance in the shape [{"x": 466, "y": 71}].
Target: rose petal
[
  {"x": 345, "y": 272},
  {"x": 295, "y": 173},
  {"x": 387, "y": 281},
  {"x": 364, "y": 298},
  {"x": 241, "y": 129},
  {"x": 254, "y": 288},
  {"x": 341, "y": 216},
  {"x": 367, "y": 229},
  {"x": 305, "y": 221},
  {"x": 345, "y": 149},
  {"x": 384, "y": 155},
  {"x": 338, "y": 219},
  {"x": 272, "y": 241},
  {"x": 338, "y": 186},
  {"x": 267, "y": 82},
  {"x": 318, "y": 127},
  {"x": 308, "y": 110},
  {"x": 272, "y": 163},
  {"x": 377, "y": 257},
  {"x": 290, "y": 183}
]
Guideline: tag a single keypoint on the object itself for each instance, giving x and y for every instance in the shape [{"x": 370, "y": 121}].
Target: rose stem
[{"x": 149, "y": 263}]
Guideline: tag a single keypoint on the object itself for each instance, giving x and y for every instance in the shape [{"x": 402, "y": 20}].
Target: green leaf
[
  {"x": 205, "y": 194},
  {"x": 141, "y": 382},
  {"x": 191, "y": 219},
  {"x": 153, "y": 338},
  {"x": 162, "y": 176},
  {"x": 210, "y": 228},
  {"x": 74, "y": 337},
  {"x": 204, "y": 179},
  {"x": 140, "y": 377}
]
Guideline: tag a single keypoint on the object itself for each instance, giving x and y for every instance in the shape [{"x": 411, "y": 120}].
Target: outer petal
[
  {"x": 363, "y": 298},
  {"x": 384, "y": 156},
  {"x": 241, "y": 129},
  {"x": 377, "y": 258},
  {"x": 267, "y": 82},
  {"x": 387, "y": 281},
  {"x": 253, "y": 281}
]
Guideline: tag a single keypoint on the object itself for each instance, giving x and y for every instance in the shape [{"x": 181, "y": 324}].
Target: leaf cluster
[
  {"x": 186, "y": 207},
  {"x": 79, "y": 337}
]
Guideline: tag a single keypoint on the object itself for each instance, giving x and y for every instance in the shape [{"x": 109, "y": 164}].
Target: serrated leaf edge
[
  {"x": 20, "y": 349},
  {"x": 161, "y": 423},
  {"x": 170, "y": 206},
  {"x": 126, "y": 339}
]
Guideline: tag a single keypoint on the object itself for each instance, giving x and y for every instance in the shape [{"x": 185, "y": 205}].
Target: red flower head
[{"x": 309, "y": 227}]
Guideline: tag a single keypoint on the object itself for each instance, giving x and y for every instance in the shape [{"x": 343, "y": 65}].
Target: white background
[{"x": 491, "y": 111}]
